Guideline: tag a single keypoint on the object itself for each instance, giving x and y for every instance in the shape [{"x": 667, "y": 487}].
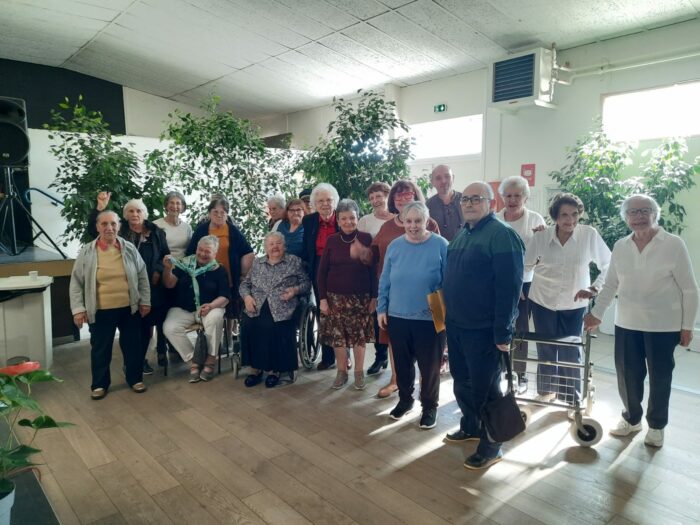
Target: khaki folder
[{"x": 436, "y": 302}]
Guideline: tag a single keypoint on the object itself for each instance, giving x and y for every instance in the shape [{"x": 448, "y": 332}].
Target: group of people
[{"x": 371, "y": 277}]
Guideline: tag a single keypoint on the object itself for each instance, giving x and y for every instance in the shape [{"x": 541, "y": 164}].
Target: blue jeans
[{"x": 475, "y": 365}]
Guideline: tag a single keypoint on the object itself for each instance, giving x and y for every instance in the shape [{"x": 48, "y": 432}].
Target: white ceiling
[{"x": 277, "y": 56}]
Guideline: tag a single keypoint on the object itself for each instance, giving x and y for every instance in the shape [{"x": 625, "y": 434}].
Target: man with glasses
[
  {"x": 444, "y": 207},
  {"x": 482, "y": 283}
]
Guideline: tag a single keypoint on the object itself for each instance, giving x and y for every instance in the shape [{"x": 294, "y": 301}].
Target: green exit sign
[{"x": 439, "y": 108}]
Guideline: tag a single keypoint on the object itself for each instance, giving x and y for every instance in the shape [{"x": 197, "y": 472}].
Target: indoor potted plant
[{"x": 15, "y": 399}]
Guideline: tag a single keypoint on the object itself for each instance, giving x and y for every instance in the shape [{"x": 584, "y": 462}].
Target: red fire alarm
[{"x": 527, "y": 171}]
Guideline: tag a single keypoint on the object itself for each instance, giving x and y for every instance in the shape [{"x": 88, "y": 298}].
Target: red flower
[{"x": 22, "y": 368}]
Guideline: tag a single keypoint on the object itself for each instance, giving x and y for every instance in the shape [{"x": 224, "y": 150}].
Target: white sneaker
[
  {"x": 624, "y": 428},
  {"x": 546, "y": 398},
  {"x": 654, "y": 437}
]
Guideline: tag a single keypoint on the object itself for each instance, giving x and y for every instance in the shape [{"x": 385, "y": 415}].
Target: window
[
  {"x": 447, "y": 138},
  {"x": 671, "y": 111}
]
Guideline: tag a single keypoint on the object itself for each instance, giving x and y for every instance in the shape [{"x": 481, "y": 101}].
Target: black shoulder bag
[{"x": 501, "y": 417}]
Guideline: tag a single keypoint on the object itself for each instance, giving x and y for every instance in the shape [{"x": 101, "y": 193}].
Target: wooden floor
[{"x": 221, "y": 453}]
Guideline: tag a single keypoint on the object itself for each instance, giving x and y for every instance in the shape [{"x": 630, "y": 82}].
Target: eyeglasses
[
  {"x": 634, "y": 212},
  {"x": 408, "y": 194},
  {"x": 295, "y": 210},
  {"x": 473, "y": 199}
]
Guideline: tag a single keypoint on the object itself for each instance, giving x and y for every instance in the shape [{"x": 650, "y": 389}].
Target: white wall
[{"x": 147, "y": 115}]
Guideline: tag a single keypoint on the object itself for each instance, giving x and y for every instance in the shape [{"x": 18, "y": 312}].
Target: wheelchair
[{"x": 308, "y": 347}]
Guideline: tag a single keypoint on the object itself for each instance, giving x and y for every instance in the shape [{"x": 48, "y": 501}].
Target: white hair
[
  {"x": 277, "y": 199},
  {"x": 418, "y": 206},
  {"x": 274, "y": 234},
  {"x": 324, "y": 186},
  {"x": 517, "y": 181},
  {"x": 135, "y": 203},
  {"x": 211, "y": 240},
  {"x": 655, "y": 209}
]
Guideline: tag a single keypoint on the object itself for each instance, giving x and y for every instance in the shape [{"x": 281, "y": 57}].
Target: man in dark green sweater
[{"x": 482, "y": 284}]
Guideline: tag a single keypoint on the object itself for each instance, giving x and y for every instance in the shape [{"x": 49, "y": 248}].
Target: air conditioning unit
[{"x": 523, "y": 79}]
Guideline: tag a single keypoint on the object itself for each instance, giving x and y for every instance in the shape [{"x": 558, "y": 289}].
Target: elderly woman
[
  {"x": 177, "y": 234},
  {"x": 401, "y": 193},
  {"x": 657, "y": 301},
  {"x": 292, "y": 229},
  {"x": 413, "y": 268},
  {"x": 270, "y": 292},
  {"x": 202, "y": 293},
  {"x": 347, "y": 290},
  {"x": 515, "y": 191},
  {"x": 318, "y": 227},
  {"x": 109, "y": 289},
  {"x": 561, "y": 286},
  {"x": 377, "y": 194},
  {"x": 275, "y": 209},
  {"x": 233, "y": 251}
]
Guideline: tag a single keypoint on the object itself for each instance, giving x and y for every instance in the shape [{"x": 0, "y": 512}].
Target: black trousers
[
  {"x": 636, "y": 353},
  {"x": 413, "y": 341},
  {"x": 102, "y": 333},
  {"x": 327, "y": 353},
  {"x": 522, "y": 325},
  {"x": 155, "y": 318},
  {"x": 381, "y": 350}
]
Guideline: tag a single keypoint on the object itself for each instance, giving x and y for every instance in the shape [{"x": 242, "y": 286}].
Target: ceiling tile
[
  {"x": 362, "y": 9},
  {"x": 322, "y": 11}
]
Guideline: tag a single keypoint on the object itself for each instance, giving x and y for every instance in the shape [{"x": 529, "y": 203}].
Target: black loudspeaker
[{"x": 14, "y": 140}]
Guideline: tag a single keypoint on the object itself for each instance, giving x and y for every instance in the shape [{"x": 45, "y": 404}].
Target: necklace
[{"x": 351, "y": 240}]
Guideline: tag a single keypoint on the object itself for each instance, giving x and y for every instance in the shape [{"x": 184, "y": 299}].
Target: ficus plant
[
  {"x": 221, "y": 154},
  {"x": 359, "y": 149},
  {"x": 598, "y": 173},
  {"x": 90, "y": 160}
]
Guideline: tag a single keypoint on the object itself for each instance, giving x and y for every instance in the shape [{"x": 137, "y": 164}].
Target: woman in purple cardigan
[{"x": 348, "y": 294}]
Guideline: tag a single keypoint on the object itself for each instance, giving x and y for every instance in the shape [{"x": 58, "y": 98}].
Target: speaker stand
[{"x": 7, "y": 208}]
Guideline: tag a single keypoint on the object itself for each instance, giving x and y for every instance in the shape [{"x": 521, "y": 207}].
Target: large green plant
[
  {"x": 90, "y": 161},
  {"x": 219, "y": 153},
  {"x": 596, "y": 173},
  {"x": 358, "y": 149}
]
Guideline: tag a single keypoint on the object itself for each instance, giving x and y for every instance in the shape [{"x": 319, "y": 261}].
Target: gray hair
[
  {"x": 135, "y": 203},
  {"x": 418, "y": 206},
  {"x": 277, "y": 199},
  {"x": 655, "y": 209},
  {"x": 211, "y": 240},
  {"x": 100, "y": 214},
  {"x": 347, "y": 205},
  {"x": 174, "y": 194},
  {"x": 324, "y": 186},
  {"x": 517, "y": 181},
  {"x": 275, "y": 234}
]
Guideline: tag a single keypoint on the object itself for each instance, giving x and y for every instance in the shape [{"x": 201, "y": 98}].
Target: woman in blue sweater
[{"x": 413, "y": 268}]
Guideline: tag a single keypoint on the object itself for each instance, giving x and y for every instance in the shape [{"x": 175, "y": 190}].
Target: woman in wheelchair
[
  {"x": 271, "y": 293},
  {"x": 202, "y": 293}
]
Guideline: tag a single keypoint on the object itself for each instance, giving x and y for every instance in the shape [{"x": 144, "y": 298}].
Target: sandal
[
  {"x": 340, "y": 379},
  {"x": 195, "y": 375}
]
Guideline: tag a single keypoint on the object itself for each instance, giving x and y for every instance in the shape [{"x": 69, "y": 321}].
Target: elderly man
[
  {"x": 444, "y": 207},
  {"x": 482, "y": 283}
]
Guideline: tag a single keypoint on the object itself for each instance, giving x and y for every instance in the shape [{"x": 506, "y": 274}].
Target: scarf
[{"x": 189, "y": 266}]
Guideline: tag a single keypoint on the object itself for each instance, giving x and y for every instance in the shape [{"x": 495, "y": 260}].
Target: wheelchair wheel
[{"x": 307, "y": 337}]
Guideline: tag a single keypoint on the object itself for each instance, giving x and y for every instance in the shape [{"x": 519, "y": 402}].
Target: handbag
[
  {"x": 501, "y": 417},
  {"x": 436, "y": 303},
  {"x": 201, "y": 348}
]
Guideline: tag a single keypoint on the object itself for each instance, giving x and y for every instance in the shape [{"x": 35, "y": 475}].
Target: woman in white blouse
[
  {"x": 177, "y": 236},
  {"x": 515, "y": 191},
  {"x": 561, "y": 288},
  {"x": 657, "y": 301}
]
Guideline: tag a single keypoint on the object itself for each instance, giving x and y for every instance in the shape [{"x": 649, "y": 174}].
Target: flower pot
[{"x": 6, "y": 503}]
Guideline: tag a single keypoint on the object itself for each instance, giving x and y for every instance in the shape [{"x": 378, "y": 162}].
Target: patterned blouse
[{"x": 267, "y": 282}]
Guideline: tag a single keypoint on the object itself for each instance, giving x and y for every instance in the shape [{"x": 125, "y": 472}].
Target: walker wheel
[
  {"x": 589, "y": 434},
  {"x": 525, "y": 413}
]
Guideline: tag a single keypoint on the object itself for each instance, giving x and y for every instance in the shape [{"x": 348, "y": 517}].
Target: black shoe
[
  {"x": 400, "y": 410},
  {"x": 272, "y": 380},
  {"x": 162, "y": 359},
  {"x": 428, "y": 419},
  {"x": 147, "y": 370},
  {"x": 477, "y": 461},
  {"x": 461, "y": 436},
  {"x": 253, "y": 380},
  {"x": 377, "y": 367},
  {"x": 325, "y": 366}
]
